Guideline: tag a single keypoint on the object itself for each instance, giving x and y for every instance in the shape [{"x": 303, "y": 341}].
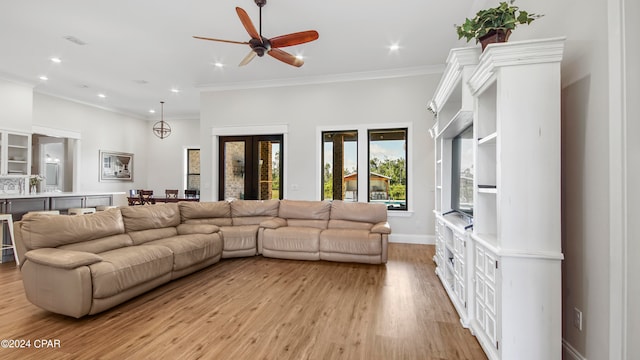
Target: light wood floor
[{"x": 259, "y": 308}]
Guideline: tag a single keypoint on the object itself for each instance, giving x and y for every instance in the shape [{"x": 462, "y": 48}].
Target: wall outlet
[{"x": 577, "y": 319}]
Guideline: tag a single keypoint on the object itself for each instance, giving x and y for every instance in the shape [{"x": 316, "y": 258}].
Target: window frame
[
  {"x": 406, "y": 159},
  {"x": 363, "y": 156},
  {"x": 187, "y": 167},
  {"x": 322, "y": 160}
]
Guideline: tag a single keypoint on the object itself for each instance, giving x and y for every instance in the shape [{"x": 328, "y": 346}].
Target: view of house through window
[
  {"x": 340, "y": 165},
  {"x": 193, "y": 169},
  {"x": 388, "y": 168}
]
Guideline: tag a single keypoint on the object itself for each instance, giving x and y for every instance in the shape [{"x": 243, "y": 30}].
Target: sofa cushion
[
  {"x": 362, "y": 212},
  {"x": 186, "y": 229},
  {"x": 124, "y": 268},
  {"x": 190, "y": 210},
  {"x": 350, "y": 241},
  {"x": 252, "y": 208},
  {"x": 303, "y": 209},
  {"x": 239, "y": 237},
  {"x": 143, "y": 236},
  {"x": 210, "y": 221},
  {"x": 53, "y": 231},
  {"x": 189, "y": 250},
  {"x": 62, "y": 259},
  {"x": 348, "y": 224},
  {"x": 298, "y": 239},
  {"x": 157, "y": 216},
  {"x": 318, "y": 224},
  {"x": 100, "y": 245}
]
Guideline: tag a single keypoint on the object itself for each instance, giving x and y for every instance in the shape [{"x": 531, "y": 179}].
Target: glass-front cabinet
[{"x": 15, "y": 153}]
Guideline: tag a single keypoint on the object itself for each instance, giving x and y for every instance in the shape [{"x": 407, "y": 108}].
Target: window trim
[{"x": 363, "y": 158}]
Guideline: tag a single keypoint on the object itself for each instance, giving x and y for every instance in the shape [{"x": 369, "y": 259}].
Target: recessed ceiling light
[
  {"x": 394, "y": 47},
  {"x": 102, "y": 96},
  {"x": 44, "y": 78},
  {"x": 218, "y": 64},
  {"x": 151, "y": 111},
  {"x": 174, "y": 90},
  {"x": 56, "y": 60}
]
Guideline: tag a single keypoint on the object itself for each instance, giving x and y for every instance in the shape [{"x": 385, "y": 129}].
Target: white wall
[
  {"x": 632, "y": 11},
  {"x": 585, "y": 163},
  {"x": 166, "y": 157},
  {"x": 304, "y": 108},
  {"x": 17, "y": 102},
  {"x": 100, "y": 130}
]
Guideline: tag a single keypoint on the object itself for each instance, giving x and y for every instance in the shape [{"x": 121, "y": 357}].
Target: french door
[{"x": 250, "y": 167}]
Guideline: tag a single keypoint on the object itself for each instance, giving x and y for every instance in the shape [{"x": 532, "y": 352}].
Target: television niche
[{"x": 462, "y": 172}]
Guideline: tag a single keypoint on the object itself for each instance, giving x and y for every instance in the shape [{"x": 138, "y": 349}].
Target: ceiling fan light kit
[{"x": 261, "y": 45}]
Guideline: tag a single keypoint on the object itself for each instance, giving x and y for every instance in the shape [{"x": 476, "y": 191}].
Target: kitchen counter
[{"x": 57, "y": 194}]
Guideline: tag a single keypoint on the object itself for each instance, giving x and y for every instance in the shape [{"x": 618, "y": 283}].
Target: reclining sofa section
[{"x": 82, "y": 265}]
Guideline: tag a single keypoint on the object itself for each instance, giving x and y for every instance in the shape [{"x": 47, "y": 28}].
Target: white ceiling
[{"x": 131, "y": 41}]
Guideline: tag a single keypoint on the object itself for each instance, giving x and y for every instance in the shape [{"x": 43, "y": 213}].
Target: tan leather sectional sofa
[{"x": 81, "y": 265}]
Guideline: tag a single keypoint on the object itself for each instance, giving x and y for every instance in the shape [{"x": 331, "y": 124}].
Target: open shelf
[
  {"x": 491, "y": 138},
  {"x": 487, "y": 190}
]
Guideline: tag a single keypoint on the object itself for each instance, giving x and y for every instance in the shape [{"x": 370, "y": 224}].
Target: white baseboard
[
  {"x": 570, "y": 353},
  {"x": 412, "y": 239}
]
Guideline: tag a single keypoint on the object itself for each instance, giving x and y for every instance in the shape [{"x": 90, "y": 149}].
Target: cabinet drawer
[{"x": 64, "y": 203}]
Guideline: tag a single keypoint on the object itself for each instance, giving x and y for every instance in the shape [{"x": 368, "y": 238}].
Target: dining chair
[
  {"x": 190, "y": 194},
  {"x": 134, "y": 200},
  {"x": 171, "y": 194},
  {"x": 146, "y": 197}
]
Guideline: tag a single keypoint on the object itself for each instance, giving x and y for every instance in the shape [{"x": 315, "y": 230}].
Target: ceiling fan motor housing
[{"x": 260, "y": 48}]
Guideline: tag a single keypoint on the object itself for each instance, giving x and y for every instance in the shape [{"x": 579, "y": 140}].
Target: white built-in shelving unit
[
  {"x": 454, "y": 105},
  {"x": 502, "y": 268}
]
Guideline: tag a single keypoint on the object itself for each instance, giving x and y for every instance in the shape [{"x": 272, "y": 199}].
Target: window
[
  {"x": 193, "y": 169},
  {"x": 340, "y": 165},
  {"x": 388, "y": 167}
]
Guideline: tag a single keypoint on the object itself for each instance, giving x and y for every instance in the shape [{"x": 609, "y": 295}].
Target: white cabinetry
[
  {"x": 454, "y": 105},
  {"x": 511, "y": 266},
  {"x": 15, "y": 153}
]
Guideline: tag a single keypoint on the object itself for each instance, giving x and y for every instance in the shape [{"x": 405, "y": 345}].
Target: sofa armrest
[
  {"x": 187, "y": 229},
  {"x": 381, "y": 228},
  {"x": 63, "y": 259},
  {"x": 274, "y": 223}
]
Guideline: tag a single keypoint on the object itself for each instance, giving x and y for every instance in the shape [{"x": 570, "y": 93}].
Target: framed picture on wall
[{"x": 116, "y": 166}]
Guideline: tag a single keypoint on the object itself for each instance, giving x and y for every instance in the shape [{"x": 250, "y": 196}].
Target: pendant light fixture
[{"x": 162, "y": 129}]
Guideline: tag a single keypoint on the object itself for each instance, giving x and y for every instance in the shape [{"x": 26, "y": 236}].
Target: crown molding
[{"x": 326, "y": 79}]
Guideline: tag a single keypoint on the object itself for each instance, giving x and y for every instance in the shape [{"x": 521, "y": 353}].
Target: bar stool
[
  {"x": 105, "y": 207},
  {"x": 9, "y": 220},
  {"x": 81, "y": 211}
]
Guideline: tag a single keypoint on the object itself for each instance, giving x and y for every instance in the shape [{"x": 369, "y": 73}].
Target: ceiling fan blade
[
  {"x": 220, "y": 40},
  {"x": 247, "y": 58},
  {"x": 248, "y": 25},
  {"x": 285, "y": 57},
  {"x": 294, "y": 39}
]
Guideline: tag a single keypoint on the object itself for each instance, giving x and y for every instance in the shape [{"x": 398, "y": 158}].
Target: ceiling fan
[{"x": 261, "y": 45}]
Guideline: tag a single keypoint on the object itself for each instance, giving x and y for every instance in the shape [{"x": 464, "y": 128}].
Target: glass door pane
[
  {"x": 269, "y": 170},
  {"x": 250, "y": 167},
  {"x": 234, "y": 170}
]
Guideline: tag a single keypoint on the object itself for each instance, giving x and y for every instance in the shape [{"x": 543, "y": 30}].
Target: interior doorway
[
  {"x": 250, "y": 167},
  {"x": 53, "y": 157}
]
